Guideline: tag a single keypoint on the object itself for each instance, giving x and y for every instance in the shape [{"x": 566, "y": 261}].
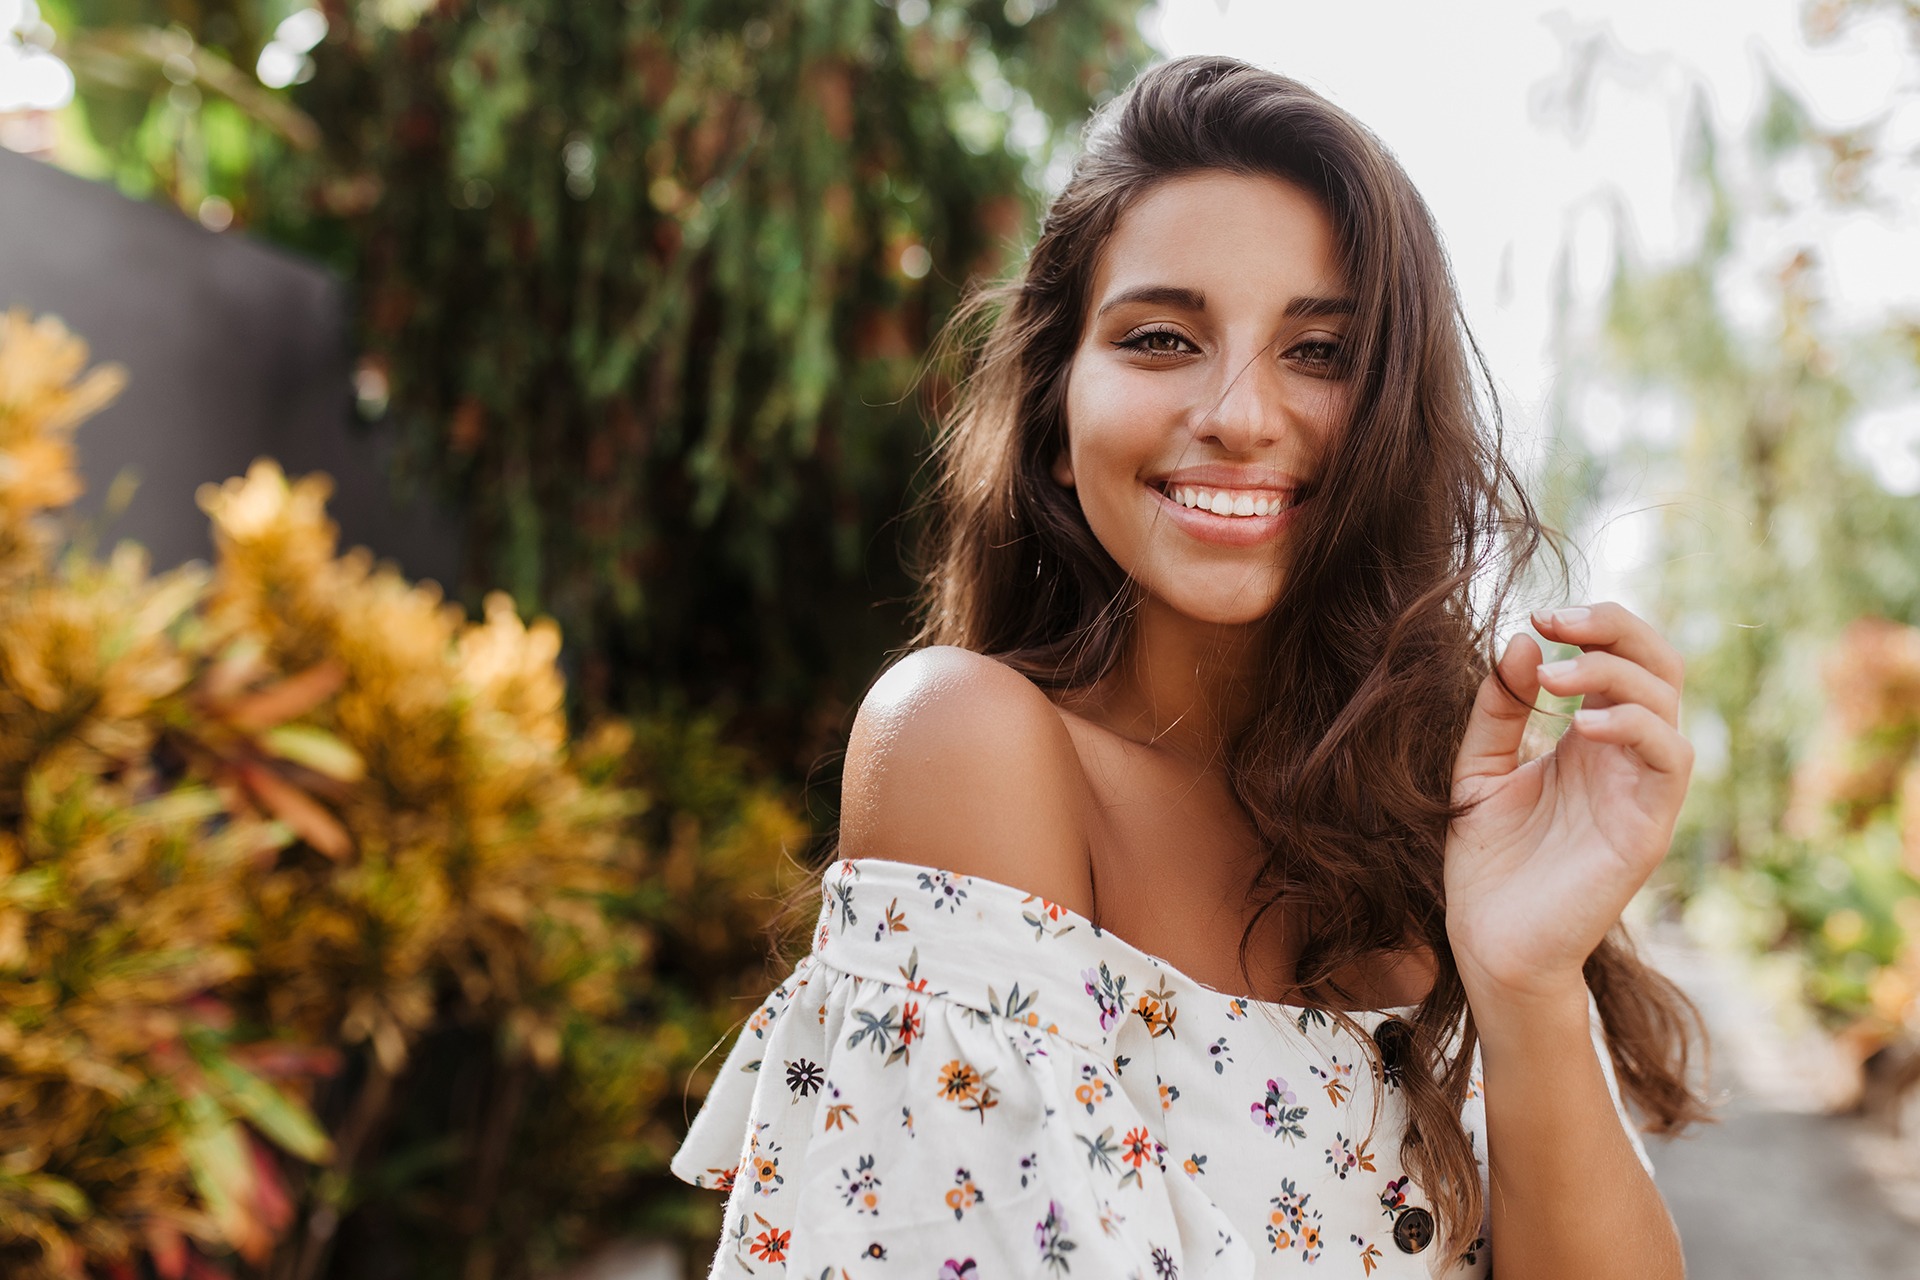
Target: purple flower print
[
  {"x": 1050, "y": 1234},
  {"x": 1109, "y": 993},
  {"x": 1279, "y": 1113}
]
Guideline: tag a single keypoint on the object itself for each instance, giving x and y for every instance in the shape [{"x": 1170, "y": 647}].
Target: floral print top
[{"x": 966, "y": 1082}]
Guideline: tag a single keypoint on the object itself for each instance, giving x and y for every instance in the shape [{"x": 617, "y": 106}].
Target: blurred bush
[
  {"x": 323, "y": 948},
  {"x": 1846, "y": 875}
]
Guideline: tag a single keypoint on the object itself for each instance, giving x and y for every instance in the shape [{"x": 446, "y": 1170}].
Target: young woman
[{"x": 1200, "y": 913}]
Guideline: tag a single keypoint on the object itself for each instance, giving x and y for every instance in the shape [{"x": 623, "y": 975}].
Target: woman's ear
[{"x": 1063, "y": 470}]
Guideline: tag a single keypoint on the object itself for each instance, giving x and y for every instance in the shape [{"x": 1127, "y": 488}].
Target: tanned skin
[{"x": 1208, "y": 351}]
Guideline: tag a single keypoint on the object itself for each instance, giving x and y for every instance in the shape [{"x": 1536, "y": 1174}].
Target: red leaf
[
  {"x": 310, "y": 819},
  {"x": 269, "y": 1188},
  {"x": 287, "y": 700},
  {"x": 167, "y": 1248},
  {"x": 199, "y": 1268},
  {"x": 277, "y": 1060}
]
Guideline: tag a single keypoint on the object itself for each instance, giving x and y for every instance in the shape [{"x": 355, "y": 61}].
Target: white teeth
[{"x": 1222, "y": 503}]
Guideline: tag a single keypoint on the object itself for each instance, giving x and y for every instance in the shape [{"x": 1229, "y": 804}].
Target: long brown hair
[{"x": 1374, "y": 650}]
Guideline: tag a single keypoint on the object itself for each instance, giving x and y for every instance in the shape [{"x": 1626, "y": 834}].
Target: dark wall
[{"x": 233, "y": 350}]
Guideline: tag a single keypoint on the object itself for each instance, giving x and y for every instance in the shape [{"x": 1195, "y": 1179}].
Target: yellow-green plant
[
  {"x": 312, "y": 907},
  {"x": 1852, "y": 896}
]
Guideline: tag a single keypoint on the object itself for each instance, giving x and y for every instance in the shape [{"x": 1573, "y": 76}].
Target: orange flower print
[
  {"x": 1137, "y": 1147},
  {"x": 911, "y": 1023},
  {"x": 964, "y": 1195},
  {"x": 1336, "y": 1078},
  {"x": 1155, "y": 1008},
  {"x": 838, "y": 1114},
  {"x": 965, "y": 1085},
  {"x": 1294, "y": 1225},
  {"x": 1195, "y": 1165},
  {"x": 1092, "y": 1089},
  {"x": 771, "y": 1244},
  {"x": 1169, "y": 1093},
  {"x": 860, "y": 1187},
  {"x": 1044, "y": 917},
  {"x": 1236, "y": 1009},
  {"x": 959, "y": 1081},
  {"x": 1369, "y": 1254},
  {"x": 763, "y": 1163},
  {"x": 720, "y": 1179}
]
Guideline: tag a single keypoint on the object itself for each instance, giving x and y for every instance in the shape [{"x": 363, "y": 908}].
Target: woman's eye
[
  {"x": 1317, "y": 356},
  {"x": 1157, "y": 342}
]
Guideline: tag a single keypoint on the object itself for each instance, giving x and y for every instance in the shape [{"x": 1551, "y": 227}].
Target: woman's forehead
[{"x": 1235, "y": 239}]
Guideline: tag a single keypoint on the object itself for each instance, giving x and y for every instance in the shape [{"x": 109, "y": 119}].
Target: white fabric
[{"x": 964, "y": 1082}]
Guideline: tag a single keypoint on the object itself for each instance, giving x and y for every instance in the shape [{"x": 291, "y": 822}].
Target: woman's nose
[{"x": 1250, "y": 411}]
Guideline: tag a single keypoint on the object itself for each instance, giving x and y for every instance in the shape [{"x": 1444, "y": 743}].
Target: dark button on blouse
[
  {"x": 1394, "y": 1039},
  {"x": 1413, "y": 1229}
]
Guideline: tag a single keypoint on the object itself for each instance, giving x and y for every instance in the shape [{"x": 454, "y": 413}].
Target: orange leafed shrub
[{"x": 282, "y": 841}]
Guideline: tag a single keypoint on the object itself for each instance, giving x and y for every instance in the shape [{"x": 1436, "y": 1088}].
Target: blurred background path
[{"x": 1782, "y": 1188}]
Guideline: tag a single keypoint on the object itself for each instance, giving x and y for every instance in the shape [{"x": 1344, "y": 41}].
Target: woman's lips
[{"x": 1224, "y": 531}]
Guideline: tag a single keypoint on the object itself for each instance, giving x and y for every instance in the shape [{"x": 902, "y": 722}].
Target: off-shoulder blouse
[{"x": 966, "y": 1082}]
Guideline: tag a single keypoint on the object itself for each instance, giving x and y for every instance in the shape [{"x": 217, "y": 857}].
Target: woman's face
[{"x": 1205, "y": 388}]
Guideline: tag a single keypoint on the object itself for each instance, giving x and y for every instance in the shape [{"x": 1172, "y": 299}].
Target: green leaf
[
  {"x": 283, "y": 1121},
  {"x": 217, "y": 1160},
  {"x": 56, "y": 1193},
  {"x": 317, "y": 749}
]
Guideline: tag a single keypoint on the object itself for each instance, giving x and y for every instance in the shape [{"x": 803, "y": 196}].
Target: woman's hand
[{"x": 1546, "y": 860}]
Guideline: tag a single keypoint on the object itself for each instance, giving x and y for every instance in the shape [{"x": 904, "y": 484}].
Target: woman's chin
[{"x": 1240, "y": 609}]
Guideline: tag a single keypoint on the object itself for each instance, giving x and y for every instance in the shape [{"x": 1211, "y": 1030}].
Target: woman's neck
[{"x": 1181, "y": 686}]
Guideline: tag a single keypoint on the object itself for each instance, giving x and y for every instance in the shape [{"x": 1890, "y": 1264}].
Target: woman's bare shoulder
[{"x": 960, "y": 762}]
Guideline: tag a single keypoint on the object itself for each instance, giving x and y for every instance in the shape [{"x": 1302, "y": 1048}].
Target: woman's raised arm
[{"x": 1536, "y": 874}]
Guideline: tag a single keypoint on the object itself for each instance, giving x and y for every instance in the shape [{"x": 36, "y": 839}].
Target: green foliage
[
  {"x": 650, "y": 284},
  {"x": 168, "y": 105}
]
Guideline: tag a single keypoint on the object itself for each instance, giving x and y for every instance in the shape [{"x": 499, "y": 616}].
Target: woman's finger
[
  {"x": 1491, "y": 746},
  {"x": 1606, "y": 679},
  {"x": 1658, "y": 744},
  {"x": 1617, "y": 630}
]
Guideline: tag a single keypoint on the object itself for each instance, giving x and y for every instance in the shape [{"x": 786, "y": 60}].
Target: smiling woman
[
  {"x": 1197, "y": 914},
  {"x": 1235, "y": 353}
]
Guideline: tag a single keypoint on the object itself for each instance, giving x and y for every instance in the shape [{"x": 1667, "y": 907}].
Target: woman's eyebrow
[
  {"x": 1309, "y": 307},
  {"x": 1176, "y": 295},
  {"x": 1304, "y": 307}
]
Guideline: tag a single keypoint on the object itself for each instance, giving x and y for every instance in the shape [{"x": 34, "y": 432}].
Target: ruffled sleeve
[{"x": 917, "y": 1119}]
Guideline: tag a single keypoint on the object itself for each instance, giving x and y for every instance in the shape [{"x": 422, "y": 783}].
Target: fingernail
[
  {"x": 1571, "y": 617},
  {"x": 1584, "y": 719},
  {"x": 1554, "y": 670}
]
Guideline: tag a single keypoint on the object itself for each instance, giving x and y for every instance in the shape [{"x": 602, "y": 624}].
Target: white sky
[{"x": 1456, "y": 90}]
